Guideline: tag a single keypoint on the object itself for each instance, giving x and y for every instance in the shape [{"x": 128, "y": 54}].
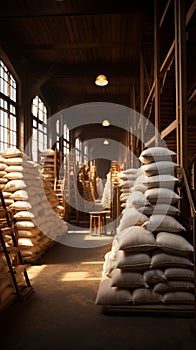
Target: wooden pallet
[{"x": 173, "y": 310}]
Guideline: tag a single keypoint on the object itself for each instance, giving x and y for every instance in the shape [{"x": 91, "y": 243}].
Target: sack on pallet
[
  {"x": 159, "y": 208},
  {"x": 139, "y": 187},
  {"x": 179, "y": 274},
  {"x": 12, "y": 152},
  {"x": 14, "y": 176},
  {"x": 14, "y": 161},
  {"x": 20, "y": 195},
  {"x": 158, "y": 222},
  {"x": 158, "y": 168},
  {"x": 154, "y": 276},
  {"x": 171, "y": 286},
  {"x": 173, "y": 244},
  {"x": 109, "y": 264},
  {"x": 126, "y": 279},
  {"x": 131, "y": 217},
  {"x": 14, "y": 185},
  {"x": 133, "y": 261},
  {"x": 146, "y": 296},
  {"x": 163, "y": 180},
  {"x": 136, "y": 200},
  {"x": 178, "y": 298},
  {"x": 21, "y": 205},
  {"x": 108, "y": 295},
  {"x": 162, "y": 195},
  {"x": 156, "y": 154},
  {"x": 163, "y": 260},
  {"x": 23, "y": 215},
  {"x": 24, "y": 225},
  {"x": 136, "y": 238}
]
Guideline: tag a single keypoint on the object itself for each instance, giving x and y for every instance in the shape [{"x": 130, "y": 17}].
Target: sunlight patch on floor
[{"x": 78, "y": 276}]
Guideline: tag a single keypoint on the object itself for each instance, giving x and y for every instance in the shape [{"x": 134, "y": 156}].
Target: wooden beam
[
  {"x": 168, "y": 59},
  {"x": 151, "y": 93},
  {"x": 148, "y": 143},
  {"x": 156, "y": 71},
  {"x": 103, "y": 7},
  {"x": 180, "y": 80},
  {"x": 190, "y": 12},
  {"x": 164, "y": 13},
  {"x": 164, "y": 133},
  {"x": 79, "y": 45},
  {"x": 169, "y": 129}
]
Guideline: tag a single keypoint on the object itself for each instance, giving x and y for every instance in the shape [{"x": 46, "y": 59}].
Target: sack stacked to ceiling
[
  {"x": 34, "y": 204},
  {"x": 150, "y": 261}
]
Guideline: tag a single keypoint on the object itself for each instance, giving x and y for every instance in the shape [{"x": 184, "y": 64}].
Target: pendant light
[{"x": 101, "y": 80}]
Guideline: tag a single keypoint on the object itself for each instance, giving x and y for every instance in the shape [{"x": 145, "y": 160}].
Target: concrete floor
[{"x": 61, "y": 314}]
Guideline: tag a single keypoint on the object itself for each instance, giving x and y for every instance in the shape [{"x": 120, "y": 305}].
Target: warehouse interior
[{"x": 97, "y": 113}]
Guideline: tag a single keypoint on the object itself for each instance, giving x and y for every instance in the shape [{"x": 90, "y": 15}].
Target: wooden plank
[
  {"x": 174, "y": 310},
  {"x": 190, "y": 12},
  {"x": 148, "y": 143},
  {"x": 164, "y": 13},
  {"x": 169, "y": 129},
  {"x": 156, "y": 72}
]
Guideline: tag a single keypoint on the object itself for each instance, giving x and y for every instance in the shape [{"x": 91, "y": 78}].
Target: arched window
[
  {"x": 39, "y": 139},
  {"x": 66, "y": 142},
  {"x": 57, "y": 134},
  {"x": 78, "y": 150},
  {"x": 8, "y": 106},
  {"x": 85, "y": 154}
]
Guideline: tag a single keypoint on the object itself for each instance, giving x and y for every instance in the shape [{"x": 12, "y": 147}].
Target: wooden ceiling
[
  {"x": 60, "y": 46},
  {"x": 66, "y": 44}
]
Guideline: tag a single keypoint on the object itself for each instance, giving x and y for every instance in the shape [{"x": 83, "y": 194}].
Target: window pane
[{"x": 39, "y": 112}]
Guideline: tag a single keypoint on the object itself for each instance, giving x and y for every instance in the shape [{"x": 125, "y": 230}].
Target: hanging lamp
[{"x": 101, "y": 80}]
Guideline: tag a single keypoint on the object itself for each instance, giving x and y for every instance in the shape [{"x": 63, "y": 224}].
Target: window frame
[{"x": 8, "y": 107}]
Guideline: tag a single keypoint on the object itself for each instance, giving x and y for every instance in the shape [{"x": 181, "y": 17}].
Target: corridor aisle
[{"x": 62, "y": 315}]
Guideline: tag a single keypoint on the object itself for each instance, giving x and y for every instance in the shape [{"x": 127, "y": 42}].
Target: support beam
[
  {"x": 169, "y": 129},
  {"x": 141, "y": 97},
  {"x": 164, "y": 13},
  {"x": 180, "y": 80},
  {"x": 156, "y": 72},
  {"x": 164, "y": 133}
]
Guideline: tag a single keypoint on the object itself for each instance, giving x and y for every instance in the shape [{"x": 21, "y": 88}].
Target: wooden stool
[{"x": 97, "y": 222}]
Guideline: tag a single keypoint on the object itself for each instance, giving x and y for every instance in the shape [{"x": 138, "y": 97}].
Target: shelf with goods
[
  {"x": 14, "y": 280},
  {"x": 151, "y": 264}
]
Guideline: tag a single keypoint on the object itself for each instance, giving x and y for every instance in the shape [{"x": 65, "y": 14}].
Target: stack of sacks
[
  {"x": 150, "y": 262},
  {"x": 46, "y": 215},
  {"x": 31, "y": 207},
  {"x": 174, "y": 250},
  {"x": 3, "y": 181},
  {"x": 43, "y": 201},
  {"x": 17, "y": 173},
  {"x": 107, "y": 193},
  {"x": 6, "y": 287},
  {"x": 48, "y": 164},
  {"x": 127, "y": 180}
]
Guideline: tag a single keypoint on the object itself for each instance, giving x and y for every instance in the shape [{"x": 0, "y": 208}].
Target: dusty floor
[{"x": 61, "y": 314}]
